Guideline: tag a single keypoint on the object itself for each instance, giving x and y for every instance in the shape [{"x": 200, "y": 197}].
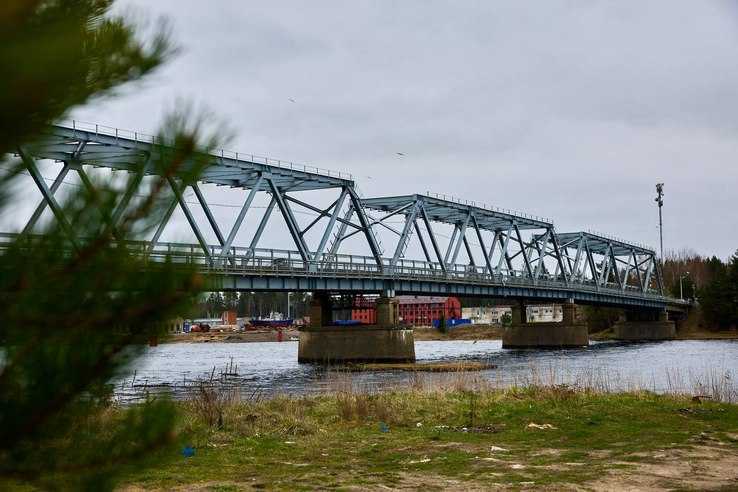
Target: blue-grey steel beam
[
  {"x": 432, "y": 236},
  {"x": 208, "y": 214},
  {"x": 557, "y": 251},
  {"x": 364, "y": 221},
  {"x": 462, "y": 234},
  {"x": 422, "y": 241},
  {"x": 188, "y": 214},
  {"x": 522, "y": 249},
  {"x": 163, "y": 223},
  {"x": 331, "y": 223},
  {"x": 241, "y": 215},
  {"x": 481, "y": 244},
  {"x": 262, "y": 225},
  {"x": 541, "y": 252},
  {"x": 131, "y": 189},
  {"x": 87, "y": 183},
  {"x": 503, "y": 254},
  {"x": 41, "y": 184},
  {"x": 119, "y": 152},
  {"x": 405, "y": 235},
  {"x": 42, "y": 206},
  {"x": 289, "y": 218},
  {"x": 319, "y": 217},
  {"x": 451, "y": 244},
  {"x": 492, "y": 248},
  {"x": 341, "y": 233},
  {"x": 469, "y": 252}
]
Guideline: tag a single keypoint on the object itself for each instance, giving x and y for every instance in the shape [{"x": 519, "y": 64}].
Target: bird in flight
[{"x": 401, "y": 154}]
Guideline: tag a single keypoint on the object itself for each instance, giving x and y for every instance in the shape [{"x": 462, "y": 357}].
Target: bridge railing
[{"x": 241, "y": 260}]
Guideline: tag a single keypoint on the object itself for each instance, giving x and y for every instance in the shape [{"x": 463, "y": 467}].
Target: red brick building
[{"x": 414, "y": 310}]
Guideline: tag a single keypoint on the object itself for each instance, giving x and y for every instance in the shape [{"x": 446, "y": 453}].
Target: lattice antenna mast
[{"x": 660, "y": 200}]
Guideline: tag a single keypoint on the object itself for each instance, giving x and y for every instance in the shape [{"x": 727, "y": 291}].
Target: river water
[{"x": 270, "y": 368}]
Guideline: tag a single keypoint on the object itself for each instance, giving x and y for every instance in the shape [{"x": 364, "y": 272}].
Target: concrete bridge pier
[
  {"x": 386, "y": 341},
  {"x": 570, "y": 332},
  {"x": 645, "y": 325}
]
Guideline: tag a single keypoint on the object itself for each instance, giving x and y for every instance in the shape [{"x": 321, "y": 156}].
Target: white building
[
  {"x": 486, "y": 315},
  {"x": 550, "y": 313}
]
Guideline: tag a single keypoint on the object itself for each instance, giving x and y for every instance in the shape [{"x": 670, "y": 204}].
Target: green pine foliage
[
  {"x": 719, "y": 298},
  {"x": 76, "y": 306}
]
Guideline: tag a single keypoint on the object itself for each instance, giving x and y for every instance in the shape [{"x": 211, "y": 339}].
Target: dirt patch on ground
[{"x": 697, "y": 468}]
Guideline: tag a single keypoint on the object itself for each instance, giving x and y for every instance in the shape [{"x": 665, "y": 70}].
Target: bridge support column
[
  {"x": 645, "y": 326},
  {"x": 321, "y": 313},
  {"x": 384, "y": 342},
  {"x": 570, "y": 332}
]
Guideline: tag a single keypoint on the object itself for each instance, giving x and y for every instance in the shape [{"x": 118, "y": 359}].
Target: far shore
[{"x": 421, "y": 333}]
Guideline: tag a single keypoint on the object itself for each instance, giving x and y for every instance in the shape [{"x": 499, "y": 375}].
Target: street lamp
[{"x": 660, "y": 200}]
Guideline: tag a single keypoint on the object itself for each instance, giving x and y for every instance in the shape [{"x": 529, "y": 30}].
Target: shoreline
[{"x": 420, "y": 333}]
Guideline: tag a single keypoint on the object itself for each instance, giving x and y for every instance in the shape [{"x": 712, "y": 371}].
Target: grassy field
[{"x": 535, "y": 437}]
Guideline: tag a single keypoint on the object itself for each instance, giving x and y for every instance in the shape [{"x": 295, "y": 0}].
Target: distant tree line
[
  {"x": 713, "y": 282},
  {"x": 253, "y": 304}
]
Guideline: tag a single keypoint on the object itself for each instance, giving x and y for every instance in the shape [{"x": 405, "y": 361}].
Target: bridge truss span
[
  {"x": 77, "y": 148},
  {"x": 488, "y": 252}
]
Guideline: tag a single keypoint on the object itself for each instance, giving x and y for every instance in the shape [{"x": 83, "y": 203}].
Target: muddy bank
[
  {"x": 464, "y": 332},
  {"x": 467, "y": 332},
  {"x": 235, "y": 337}
]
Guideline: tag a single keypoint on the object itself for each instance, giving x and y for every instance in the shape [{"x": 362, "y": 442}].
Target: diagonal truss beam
[
  {"x": 462, "y": 237},
  {"x": 405, "y": 235},
  {"x": 478, "y": 232},
  {"x": 432, "y": 236},
  {"x": 262, "y": 225},
  {"x": 289, "y": 218},
  {"x": 366, "y": 226},
  {"x": 42, "y": 205},
  {"x": 528, "y": 268},
  {"x": 188, "y": 214},
  {"x": 226, "y": 245},
  {"x": 338, "y": 204},
  {"x": 56, "y": 209}
]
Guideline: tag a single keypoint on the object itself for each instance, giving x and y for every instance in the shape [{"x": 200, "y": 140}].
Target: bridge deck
[{"x": 279, "y": 270}]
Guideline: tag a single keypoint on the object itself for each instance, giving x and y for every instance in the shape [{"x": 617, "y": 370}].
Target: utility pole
[{"x": 660, "y": 200}]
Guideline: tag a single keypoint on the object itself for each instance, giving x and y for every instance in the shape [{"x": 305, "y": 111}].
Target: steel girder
[
  {"x": 605, "y": 262},
  {"x": 509, "y": 254},
  {"x": 512, "y": 247},
  {"x": 76, "y": 148}
]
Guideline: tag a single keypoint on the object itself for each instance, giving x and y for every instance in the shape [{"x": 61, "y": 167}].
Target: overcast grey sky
[{"x": 568, "y": 109}]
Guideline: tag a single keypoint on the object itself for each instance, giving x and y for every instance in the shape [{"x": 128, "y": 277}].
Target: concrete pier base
[
  {"x": 644, "y": 326},
  {"x": 384, "y": 342},
  {"x": 545, "y": 335},
  {"x": 571, "y": 332},
  {"x": 644, "y": 330},
  {"x": 339, "y": 344}
]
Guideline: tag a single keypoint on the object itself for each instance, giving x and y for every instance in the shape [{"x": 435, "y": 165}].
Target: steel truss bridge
[{"x": 505, "y": 254}]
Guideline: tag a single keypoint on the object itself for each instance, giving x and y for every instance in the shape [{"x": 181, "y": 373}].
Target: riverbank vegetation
[
  {"x": 463, "y": 435},
  {"x": 711, "y": 281}
]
